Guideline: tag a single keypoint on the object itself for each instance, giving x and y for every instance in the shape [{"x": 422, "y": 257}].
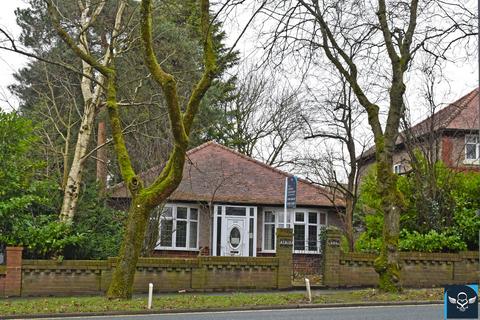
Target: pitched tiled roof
[
  {"x": 462, "y": 114},
  {"x": 216, "y": 173}
]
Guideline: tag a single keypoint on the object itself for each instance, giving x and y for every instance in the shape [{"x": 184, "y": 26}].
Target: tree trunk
[
  {"x": 349, "y": 222},
  {"x": 121, "y": 285},
  {"x": 386, "y": 265},
  {"x": 101, "y": 157},
  {"x": 72, "y": 188}
]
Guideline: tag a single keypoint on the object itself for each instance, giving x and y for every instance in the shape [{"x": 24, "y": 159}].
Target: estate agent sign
[{"x": 291, "y": 194}]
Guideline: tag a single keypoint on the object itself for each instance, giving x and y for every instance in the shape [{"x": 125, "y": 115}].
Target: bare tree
[
  {"x": 338, "y": 117},
  {"x": 264, "y": 118},
  {"x": 372, "y": 45}
]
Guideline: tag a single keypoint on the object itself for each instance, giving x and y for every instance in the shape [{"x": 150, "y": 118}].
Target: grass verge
[{"x": 56, "y": 305}]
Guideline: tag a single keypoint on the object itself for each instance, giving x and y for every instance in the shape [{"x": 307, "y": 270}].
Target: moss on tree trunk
[
  {"x": 386, "y": 265},
  {"x": 124, "y": 273}
]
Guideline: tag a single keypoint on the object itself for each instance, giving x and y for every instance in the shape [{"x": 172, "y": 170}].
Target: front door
[
  {"x": 234, "y": 231},
  {"x": 235, "y": 239}
]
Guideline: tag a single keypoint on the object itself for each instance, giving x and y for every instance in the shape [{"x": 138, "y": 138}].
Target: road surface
[{"x": 422, "y": 312}]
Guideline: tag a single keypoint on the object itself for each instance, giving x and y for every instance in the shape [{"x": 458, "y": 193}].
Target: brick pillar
[
  {"x": 284, "y": 254},
  {"x": 13, "y": 278},
  {"x": 331, "y": 258}
]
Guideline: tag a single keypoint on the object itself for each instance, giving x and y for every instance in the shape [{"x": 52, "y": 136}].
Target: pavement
[{"x": 390, "y": 312}]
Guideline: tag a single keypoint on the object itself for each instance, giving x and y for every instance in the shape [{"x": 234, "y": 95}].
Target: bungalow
[{"x": 229, "y": 204}]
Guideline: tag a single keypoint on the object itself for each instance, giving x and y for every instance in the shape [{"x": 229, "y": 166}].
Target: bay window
[{"x": 178, "y": 227}]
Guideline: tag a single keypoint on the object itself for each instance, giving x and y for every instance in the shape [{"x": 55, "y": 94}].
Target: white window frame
[
  {"x": 290, "y": 223},
  {"x": 397, "y": 168},
  {"x": 275, "y": 224},
  {"x": 174, "y": 207},
  {"x": 476, "y": 138}
]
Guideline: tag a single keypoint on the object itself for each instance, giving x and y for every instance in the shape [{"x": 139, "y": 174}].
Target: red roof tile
[{"x": 216, "y": 173}]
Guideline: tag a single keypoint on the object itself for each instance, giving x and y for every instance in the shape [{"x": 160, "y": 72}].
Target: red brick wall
[
  {"x": 418, "y": 269},
  {"x": 13, "y": 278}
]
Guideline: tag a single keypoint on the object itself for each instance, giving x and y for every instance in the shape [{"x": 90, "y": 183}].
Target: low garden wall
[
  {"x": 76, "y": 277},
  {"x": 418, "y": 269},
  {"x": 45, "y": 277}
]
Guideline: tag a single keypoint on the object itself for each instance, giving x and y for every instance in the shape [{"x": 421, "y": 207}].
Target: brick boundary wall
[
  {"x": 77, "y": 277},
  {"x": 418, "y": 269},
  {"x": 3, "y": 272},
  {"x": 13, "y": 272}
]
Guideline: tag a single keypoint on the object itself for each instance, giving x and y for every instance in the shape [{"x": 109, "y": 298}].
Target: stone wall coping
[
  {"x": 186, "y": 263},
  {"x": 358, "y": 256},
  {"x": 438, "y": 256},
  {"x": 333, "y": 232},
  {"x": 150, "y": 262},
  {"x": 14, "y": 248},
  {"x": 65, "y": 264},
  {"x": 253, "y": 261},
  {"x": 409, "y": 256},
  {"x": 284, "y": 232}
]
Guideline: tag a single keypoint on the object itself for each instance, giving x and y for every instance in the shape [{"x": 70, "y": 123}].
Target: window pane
[
  {"x": 193, "y": 234},
  {"x": 299, "y": 237},
  {"x": 269, "y": 217},
  {"x": 396, "y": 168},
  {"x": 193, "y": 213},
  {"x": 312, "y": 238},
  {"x": 181, "y": 234},
  {"x": 299, "y": 216},
  {"x": 250, "y": 237},
  {"x": 167, "y": 212},
  {"x": 252, "y": 212},
  {"x": 323, "y": 218},
  {"x": 312, "y": 217},
  {"x": 235, "y": 211},
  {"x": 219, "y": 235},
  {"x": 181, "y": 213},
  {"x": 471, "y": 139},
  {"x": 166, "y": 228},
  {"x": 280, "y": 216},
  {"x": 470, "y": 150},
  {"x": 269, "y": 237}
]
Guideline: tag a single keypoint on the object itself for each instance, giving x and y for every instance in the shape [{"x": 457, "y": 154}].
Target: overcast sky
[
  {"x": 463, "y": 78},
  {"x": 9, "y": 62}
]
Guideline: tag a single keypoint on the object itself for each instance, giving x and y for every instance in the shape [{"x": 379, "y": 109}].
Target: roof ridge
[{"x": 199, "y": 147}]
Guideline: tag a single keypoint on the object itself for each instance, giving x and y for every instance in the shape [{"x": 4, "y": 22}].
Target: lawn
[{"x": 25, "y": 306}]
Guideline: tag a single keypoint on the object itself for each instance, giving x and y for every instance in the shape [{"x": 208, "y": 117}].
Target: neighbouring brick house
[
  {"x": 229, "y": 204},
  {"x": 455, "y": 132}
]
